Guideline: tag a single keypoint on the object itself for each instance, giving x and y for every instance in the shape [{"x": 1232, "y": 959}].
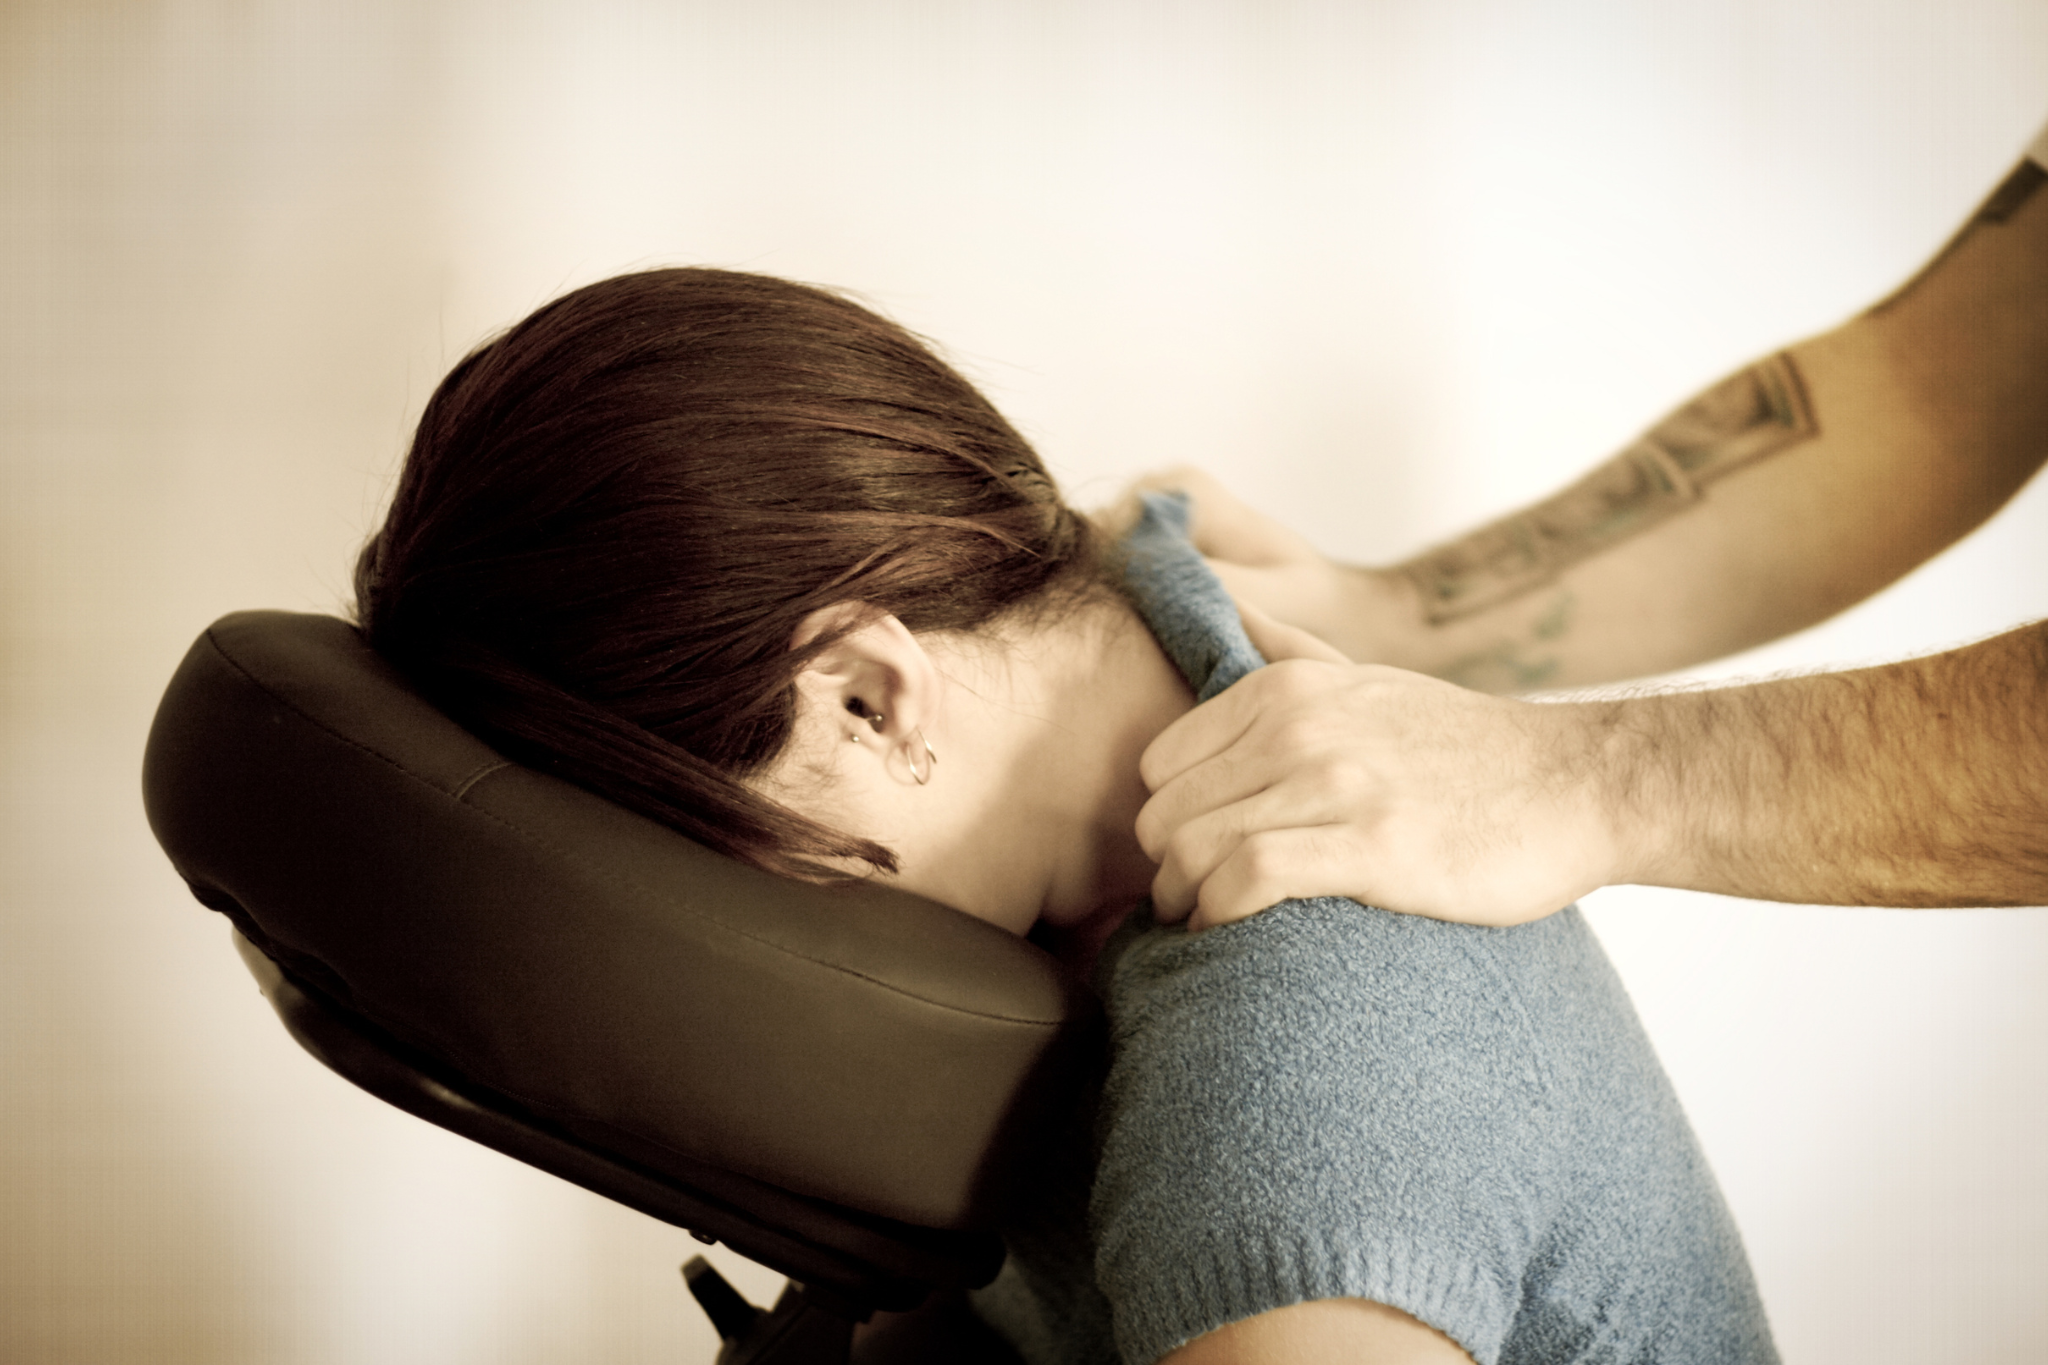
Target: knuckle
[
  {"x": 1299, "y": 733},
  {"x": 1264, "y": 858},
  {"x": 1342, "y": 777},
  {"x": 1159, "y": 817},
  {"x": 1183, "y": 849}
]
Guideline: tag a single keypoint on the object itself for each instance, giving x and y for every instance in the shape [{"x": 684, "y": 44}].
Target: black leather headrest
[{"x": 603, "y": 972}]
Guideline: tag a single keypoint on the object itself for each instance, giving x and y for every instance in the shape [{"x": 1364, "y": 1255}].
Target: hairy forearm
[
  {"x": 1921, "y": 783},
  {"x": 1777, "y": 497}
]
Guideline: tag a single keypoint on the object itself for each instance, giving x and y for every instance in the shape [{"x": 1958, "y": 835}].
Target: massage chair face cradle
[{"x": 842, "y": 1084}]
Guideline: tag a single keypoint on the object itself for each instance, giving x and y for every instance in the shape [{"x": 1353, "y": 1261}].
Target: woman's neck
[{"x": 1053, "y": 715}]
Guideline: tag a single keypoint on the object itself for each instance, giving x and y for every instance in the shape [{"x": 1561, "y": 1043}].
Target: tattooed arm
[{"x": 1779, "y": 496}]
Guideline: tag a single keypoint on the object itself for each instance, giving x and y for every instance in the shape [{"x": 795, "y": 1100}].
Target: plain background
[{"x": 1387, "y": 266}]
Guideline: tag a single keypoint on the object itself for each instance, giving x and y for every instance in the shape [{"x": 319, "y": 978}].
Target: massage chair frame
[{"x": 844, "y": 1085}]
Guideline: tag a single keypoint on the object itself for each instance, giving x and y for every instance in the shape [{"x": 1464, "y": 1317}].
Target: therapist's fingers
[
  {"x": 1195, "y": 848},
  {"x": 1219, "y": 782},
  {"x": 1203, "y": 732},
  {"x": 1312, "y": 801},
  {"x": 1201, "y": 762},
  {"x": 1229, "y": 767},
  {"x": 1274, "y": 865},
  {"x": 1286, "y": 775},
  {"x": 1278, "y": 692}
]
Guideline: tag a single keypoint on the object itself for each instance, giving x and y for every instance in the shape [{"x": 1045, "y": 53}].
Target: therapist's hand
[
  {"x": 1316, "y": 776},
  {"x": 1366, "y": 613}
]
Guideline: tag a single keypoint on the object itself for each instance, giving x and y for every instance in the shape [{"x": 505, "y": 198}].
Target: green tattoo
[
  {"x": 1512, "y": 666},
  {"x": 1552, "y": 624}
]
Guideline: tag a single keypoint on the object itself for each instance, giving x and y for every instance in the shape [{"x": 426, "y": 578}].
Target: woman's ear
[{"x": 873, "y": 683}]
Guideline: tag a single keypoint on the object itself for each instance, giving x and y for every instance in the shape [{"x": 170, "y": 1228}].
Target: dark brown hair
[{"x": 614, "y": 516}]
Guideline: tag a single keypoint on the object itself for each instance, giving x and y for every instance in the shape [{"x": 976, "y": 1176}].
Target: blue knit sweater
[{"x": 1327, "y": 1100}]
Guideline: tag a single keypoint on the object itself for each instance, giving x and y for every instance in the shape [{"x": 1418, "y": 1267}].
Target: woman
[{"x": 742, "y": 556}]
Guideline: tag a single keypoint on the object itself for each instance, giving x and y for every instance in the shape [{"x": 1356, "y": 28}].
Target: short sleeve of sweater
[{"x": 1315, "y": 1103}]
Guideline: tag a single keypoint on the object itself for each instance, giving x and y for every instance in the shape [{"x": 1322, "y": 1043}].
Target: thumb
[{"x": 1277, "y": 640}]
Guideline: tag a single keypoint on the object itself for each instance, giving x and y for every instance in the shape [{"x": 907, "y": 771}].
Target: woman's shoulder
[
  {"x": 1452, "y": 1047},
  {"x": 1339, "y": 1016},
  {"x": 1341, "y": 961},
  {"x": 1329, "y": 1101},
  {"x": 1322, "y": 1101}
]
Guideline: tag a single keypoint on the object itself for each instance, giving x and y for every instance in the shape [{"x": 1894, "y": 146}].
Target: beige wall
[{"x": 1388, "y": 266}]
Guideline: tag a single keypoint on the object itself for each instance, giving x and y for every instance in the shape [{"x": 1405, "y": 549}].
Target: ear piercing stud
[{"x": 859, "y": 708}]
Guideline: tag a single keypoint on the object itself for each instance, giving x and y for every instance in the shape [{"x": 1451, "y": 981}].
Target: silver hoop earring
[{"x": 931, "y": 760}]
